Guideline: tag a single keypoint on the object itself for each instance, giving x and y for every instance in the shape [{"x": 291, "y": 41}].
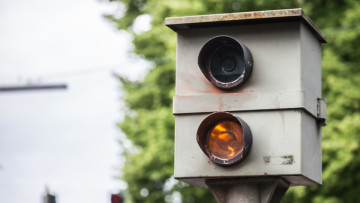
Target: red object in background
[{"x": 116, "y": 199}]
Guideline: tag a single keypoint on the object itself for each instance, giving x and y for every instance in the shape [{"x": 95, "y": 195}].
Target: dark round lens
[{"x": 227, "y": 63}]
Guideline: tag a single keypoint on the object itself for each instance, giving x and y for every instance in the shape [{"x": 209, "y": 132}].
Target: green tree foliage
[{"x": 149, "y": 122}]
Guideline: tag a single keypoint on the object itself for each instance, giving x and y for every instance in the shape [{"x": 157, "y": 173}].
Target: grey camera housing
[{"x": 281, "y": 101}]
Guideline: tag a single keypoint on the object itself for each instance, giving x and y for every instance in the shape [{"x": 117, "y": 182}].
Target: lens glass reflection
[
  {"x": 227, "y": 63},
  {"x": 225, "y": 140}
]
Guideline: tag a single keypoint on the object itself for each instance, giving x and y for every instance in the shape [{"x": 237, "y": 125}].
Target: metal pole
[{"x": 254, "y": 190}]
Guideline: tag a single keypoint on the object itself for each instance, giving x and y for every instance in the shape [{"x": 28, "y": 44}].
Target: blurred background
[
  {"x": 68, "y": 140},
  {"x": 63, "y": 139}
]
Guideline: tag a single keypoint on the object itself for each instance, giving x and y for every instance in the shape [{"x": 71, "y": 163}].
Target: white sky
[{"x": 65, "y": 139}]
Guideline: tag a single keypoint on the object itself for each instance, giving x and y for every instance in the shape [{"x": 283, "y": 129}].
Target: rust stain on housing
[
  {"x": 234, "y": 16},
  {"x": 288, "y": 160},
  {"x": 267, "y": 159},
  {"x": 258, "y": 14},
  {"x": 279, "y": 160}
]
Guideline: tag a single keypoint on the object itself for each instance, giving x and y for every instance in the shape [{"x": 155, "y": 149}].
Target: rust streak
[{"x": 267, "y": 159}]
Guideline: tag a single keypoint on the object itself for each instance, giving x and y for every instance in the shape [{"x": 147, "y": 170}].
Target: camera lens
[
  {"x": 225, "y": 62},
  {"x": 228, "y": 64}
]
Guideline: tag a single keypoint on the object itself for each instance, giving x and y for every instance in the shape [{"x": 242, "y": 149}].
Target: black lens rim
[{"x": 207, "y": 51}]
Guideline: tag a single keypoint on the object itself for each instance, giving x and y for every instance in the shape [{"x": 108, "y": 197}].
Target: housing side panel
[
  {"x": 311, "y": 139},
  {"x": 310, "y": 62}
]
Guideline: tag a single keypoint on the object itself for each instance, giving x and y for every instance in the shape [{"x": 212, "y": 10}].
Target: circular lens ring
[
  {"x": 204, "y": 131},
  {"x": 228, "y": 64},
  {"x": 208, "y": 50}
]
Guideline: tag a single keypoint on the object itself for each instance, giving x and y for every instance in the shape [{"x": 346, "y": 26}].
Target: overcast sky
[{"x": 63, "y": 139}]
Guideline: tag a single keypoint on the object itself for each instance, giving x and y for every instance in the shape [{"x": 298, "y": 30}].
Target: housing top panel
[{"x": 254, "y": 17}]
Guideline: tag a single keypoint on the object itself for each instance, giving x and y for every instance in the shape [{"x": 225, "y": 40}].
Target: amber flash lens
[{"x": 226, "y": 140}]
